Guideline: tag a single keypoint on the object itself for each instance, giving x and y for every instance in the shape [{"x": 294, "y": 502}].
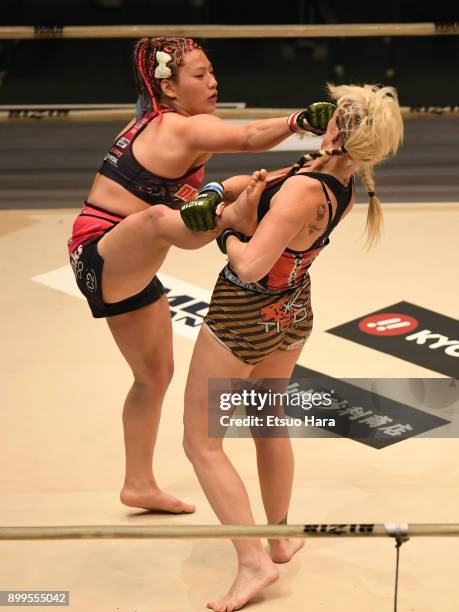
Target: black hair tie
[{"x": 371, "y": 194}]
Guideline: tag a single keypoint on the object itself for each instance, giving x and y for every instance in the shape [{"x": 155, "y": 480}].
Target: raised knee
[{"x": 157, "y": 213}]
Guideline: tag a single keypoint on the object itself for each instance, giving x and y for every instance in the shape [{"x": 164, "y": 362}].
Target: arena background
[
  {"x": 63, "y": 381},
  {"x": 261, "y": 72}
]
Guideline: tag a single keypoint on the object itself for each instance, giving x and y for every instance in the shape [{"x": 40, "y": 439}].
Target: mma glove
[
  {"x": 314, "y": 119},
  {"x": 199, "y": 214}
]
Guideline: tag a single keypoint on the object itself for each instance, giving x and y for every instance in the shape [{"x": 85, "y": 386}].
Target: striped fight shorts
[{"x": 253, "y": 324}]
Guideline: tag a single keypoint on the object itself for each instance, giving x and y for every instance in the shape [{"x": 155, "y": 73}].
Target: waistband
[
  {"x": 259, "y": 288},
  {"x": 102, "y": 210}
]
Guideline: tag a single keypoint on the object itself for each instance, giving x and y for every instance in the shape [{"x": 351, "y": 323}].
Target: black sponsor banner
[
  {"x": 366, "y": 416},
  {"x": 412, "y": 333}
]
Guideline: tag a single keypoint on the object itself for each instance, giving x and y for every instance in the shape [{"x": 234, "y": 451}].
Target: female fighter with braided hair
[
  {"x": 260, "y": 314},
  {"x": 123, "y": 233}
]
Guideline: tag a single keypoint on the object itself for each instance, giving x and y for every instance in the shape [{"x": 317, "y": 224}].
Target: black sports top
[
  {"x": 121, "y": 166},
  {"x": 290, "y": 270}
]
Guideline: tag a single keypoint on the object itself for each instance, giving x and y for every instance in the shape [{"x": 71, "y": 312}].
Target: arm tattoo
[
  {"x": 320, "y": 214},
  {"x": 313, "y": 228}
]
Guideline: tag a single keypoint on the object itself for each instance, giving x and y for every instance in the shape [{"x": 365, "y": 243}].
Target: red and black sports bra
[
  {"x": 290, "y": 270},
  {"x": 121, "y": 166}
]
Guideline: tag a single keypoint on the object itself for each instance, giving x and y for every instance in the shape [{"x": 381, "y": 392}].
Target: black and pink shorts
[{"x": 89, "y": 227}]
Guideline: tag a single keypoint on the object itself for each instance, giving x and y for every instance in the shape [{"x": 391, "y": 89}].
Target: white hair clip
[{"x": 161, "y": 70}]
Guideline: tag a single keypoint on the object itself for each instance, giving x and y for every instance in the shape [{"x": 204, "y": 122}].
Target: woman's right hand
[{"x": 199, "y": 214}]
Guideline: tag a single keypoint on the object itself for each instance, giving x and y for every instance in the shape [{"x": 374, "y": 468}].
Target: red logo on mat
[{"x": 388, "y": 324}]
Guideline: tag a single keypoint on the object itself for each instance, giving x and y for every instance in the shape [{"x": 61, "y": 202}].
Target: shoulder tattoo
[{"x": 320, "y": 214}]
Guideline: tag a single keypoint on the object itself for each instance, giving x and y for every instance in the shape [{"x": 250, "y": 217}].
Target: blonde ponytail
[
  {"x": 374, "y": 223},
  {"x": 371, "y": 127}
]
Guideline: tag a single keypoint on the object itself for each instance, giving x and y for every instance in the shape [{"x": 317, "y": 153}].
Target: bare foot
[
  {"x": 153, "y": 499},
  {"x": 249, "y": 581},
  {"x": 282, "y": 550},
  {"x": 241, "y": 215}
]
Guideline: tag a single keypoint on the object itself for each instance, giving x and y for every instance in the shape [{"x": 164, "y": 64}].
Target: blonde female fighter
[{"x": 260, "y": 315}]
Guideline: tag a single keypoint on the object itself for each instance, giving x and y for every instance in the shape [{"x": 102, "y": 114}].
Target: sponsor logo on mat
[{"x": 410, "y": 332}]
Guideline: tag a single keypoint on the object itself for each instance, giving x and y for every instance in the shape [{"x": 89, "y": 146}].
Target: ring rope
[
  {"x": 125, "y": 112},
  {"x": 72, "y": 532},
  {"x": 232, "y": 31}
]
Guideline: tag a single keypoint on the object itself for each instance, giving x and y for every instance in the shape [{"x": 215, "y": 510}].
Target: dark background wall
[
  {"x": 53, "y": 164},
  {"x": 260, "y": 72}
]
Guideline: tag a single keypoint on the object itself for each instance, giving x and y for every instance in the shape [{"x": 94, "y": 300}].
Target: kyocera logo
[
  {"x": 388, "y": 324},
  {"x": 395, "y": 324}
]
